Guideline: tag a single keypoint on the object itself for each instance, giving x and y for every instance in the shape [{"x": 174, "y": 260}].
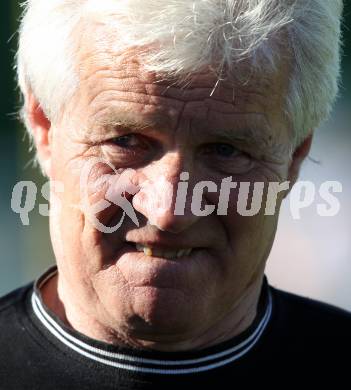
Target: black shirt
[{"x": 292, "y": 340}]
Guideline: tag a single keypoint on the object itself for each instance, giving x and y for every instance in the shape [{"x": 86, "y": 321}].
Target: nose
[{"x": 164, "y": 197}]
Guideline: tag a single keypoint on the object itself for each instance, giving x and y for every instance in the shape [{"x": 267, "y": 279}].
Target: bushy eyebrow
[
  {"x": 250, "y": 129},
  {"x": 246, "y": 134},
  {"x": 244, "y": 130},
  {"x": 112, "y": 120}
]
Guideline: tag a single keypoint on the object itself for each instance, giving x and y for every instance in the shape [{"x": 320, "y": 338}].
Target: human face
[{"x": 133, "y": 119}]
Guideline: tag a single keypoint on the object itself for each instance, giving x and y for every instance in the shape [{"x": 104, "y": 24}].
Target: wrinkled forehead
[
  {"x": 96, "y": 55},
  {"x": 104, "y": 68}
]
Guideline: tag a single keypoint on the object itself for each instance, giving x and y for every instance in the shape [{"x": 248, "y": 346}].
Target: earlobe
[
  {"x": 41, "y": 131},
  {"x": 299, "y": 155}
]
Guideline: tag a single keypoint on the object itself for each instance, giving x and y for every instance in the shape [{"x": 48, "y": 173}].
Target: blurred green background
[{"x": 311, "y": 256}]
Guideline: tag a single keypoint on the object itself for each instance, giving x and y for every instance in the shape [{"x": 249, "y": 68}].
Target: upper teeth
[{"x": 168, "y": 254}]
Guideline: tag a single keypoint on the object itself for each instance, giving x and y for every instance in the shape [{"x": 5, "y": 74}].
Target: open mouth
[{"x": 166, "y": 253}]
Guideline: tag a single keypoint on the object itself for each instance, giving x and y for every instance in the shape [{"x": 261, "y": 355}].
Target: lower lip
[{"x": 152, "y": 271}]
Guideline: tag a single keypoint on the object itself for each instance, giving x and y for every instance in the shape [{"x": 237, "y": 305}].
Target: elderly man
[{"x": 148, "y": 118}]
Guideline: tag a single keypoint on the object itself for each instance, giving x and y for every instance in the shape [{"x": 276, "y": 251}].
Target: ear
[
  {"x": 299, "y": 155},
  {"x": 41, "y": 130}
]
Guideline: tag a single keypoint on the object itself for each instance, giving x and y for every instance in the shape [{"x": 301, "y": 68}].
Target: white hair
[{"x": 191, "y": 34}]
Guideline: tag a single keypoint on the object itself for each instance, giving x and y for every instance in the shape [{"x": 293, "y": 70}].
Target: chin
[{"x": 162, "y": 311}]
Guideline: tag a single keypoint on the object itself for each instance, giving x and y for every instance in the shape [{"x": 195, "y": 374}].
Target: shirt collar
[{"x": 153, "y": 362}]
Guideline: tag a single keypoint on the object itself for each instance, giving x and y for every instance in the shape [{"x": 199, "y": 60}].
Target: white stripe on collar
[{"x": 145, "y": 365}]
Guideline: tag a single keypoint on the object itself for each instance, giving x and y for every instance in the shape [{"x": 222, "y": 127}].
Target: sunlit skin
[{"x": 136, "y": 119}]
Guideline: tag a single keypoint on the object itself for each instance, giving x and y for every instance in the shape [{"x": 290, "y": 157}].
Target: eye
[
  {"x": 226, "y": 158},
  {"x": 225, "y": 150},
  {"x": 131, "y": 149},
  {"x": 222, "y": 150},
  {"x": 128, "y": 141}
]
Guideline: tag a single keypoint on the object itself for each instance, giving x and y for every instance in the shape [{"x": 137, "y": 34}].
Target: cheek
[
  {"x": 241, "y": 213},
  {"x": 68, "y": 218},
  {"x": 246, "y": 195},
  {"x": 244, "y": 210},
  {"x": 249, "y": 243},
  {"x": 84, "y": 179}
]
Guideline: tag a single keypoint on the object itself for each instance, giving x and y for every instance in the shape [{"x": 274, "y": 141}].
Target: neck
[{"x": 240, "y": 317}]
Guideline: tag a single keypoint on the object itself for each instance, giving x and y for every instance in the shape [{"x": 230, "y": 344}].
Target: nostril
[{"x": 130, "y": 245}]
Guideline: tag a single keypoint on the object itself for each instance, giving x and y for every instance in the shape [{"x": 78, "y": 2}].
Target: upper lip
[
  {"x": 161, "y": 240},
  {"x": 162, "y": 245}
]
